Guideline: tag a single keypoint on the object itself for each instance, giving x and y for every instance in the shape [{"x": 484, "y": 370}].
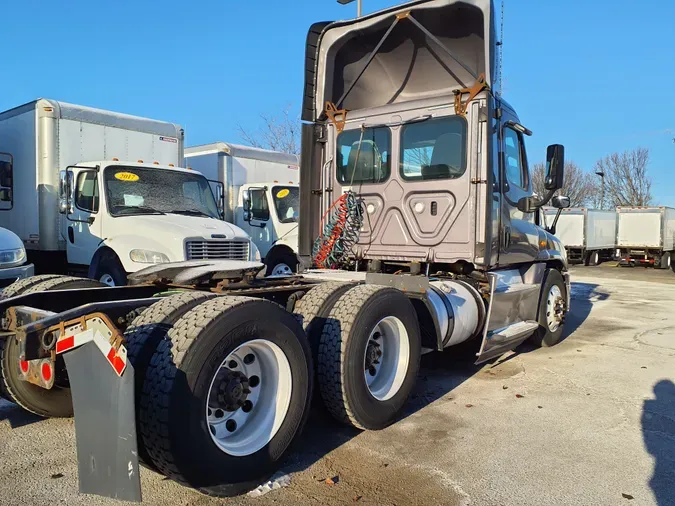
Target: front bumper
[{"x": 9, "y": 276}]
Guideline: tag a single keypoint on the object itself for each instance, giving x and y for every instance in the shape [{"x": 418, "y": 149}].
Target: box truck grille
[{"x": 217, "y": 250}]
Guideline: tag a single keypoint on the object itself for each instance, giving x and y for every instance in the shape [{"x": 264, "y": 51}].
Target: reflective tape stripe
[
  {"x": 65, "y": 344},
  {"x": 116, "y": 358}
]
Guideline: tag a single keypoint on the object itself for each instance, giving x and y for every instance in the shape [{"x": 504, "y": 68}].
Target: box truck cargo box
[
  {"x": 646, "y": 236},
  {"x": 589, "y": 235}
]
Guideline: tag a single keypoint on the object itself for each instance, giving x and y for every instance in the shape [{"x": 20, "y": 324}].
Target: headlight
[
  {"x": 12, "y": 257},
  {"x": 144, "y": 256},
  {"x": 255, "y": 253}
]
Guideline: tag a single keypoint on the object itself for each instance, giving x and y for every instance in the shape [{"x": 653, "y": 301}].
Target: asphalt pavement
[{"x": 590, "y": 421}]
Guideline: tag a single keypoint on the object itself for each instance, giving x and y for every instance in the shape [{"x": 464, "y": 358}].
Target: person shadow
[{"x": 658, "y": 431}]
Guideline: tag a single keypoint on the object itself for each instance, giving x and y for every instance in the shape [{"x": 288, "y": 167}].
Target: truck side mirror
[
  {"x": 66, "y": 190},
  {"x": 560, "y": 202},
  {"x": 246, "y": 199},
  {"x": 555, "y": 167}
]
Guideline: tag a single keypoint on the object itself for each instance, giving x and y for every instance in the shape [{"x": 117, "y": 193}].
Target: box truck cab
[
  {"x": 95, "y": 192},
  {"x": 122, "y": 216},
  {"x": 260, "y": 194}
]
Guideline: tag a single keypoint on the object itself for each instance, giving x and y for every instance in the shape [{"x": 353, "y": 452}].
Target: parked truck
[
  {"x": 260, "y": 195},
  {"x": 417, "y": 231},
  {"x": 98, "y": 193},
  {"x": 646, "y": 236},
  {"x": 589, "y": 235}
]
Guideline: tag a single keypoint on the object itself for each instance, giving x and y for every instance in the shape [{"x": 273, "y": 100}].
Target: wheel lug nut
[
  {"x": 231, "y": 425},
  {"x": 247, "y": 407},
  {"x": 249, "y": 359},
  {"x": 232, "y": 364},
  {"x": 372, "y": 371},
  {"x": 254, "y": 381}
]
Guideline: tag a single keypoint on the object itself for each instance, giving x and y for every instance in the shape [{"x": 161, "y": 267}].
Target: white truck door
[
  {"x": 83, "y": 221},
  {"x": 257, "y": 222}
]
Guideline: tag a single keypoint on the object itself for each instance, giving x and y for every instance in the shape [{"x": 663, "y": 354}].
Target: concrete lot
[{"x": 590, "y": 422}]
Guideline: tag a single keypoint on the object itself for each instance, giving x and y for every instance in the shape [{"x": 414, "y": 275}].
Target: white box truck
[
  {"x": 646, "y": 236},
  {"x": 589, "y": 235},
  {"x": 99, "y": 193},
  {"x": 260, "y": 195}
]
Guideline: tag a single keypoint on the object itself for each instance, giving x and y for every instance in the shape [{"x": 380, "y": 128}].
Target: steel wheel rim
[
  {"x": 282, "y": 269},
  {"x": 554, "y": 309},
  {"x": 668, "y": 261},
  {"x": 596, "y": 258},
  {"x": 107, "y": 279},
  {"x": 248, "y": 428},
  {"x": 389, "y": 345}
]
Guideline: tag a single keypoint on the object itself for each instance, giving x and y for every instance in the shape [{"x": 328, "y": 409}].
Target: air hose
[{"x": 340, "y": 229}]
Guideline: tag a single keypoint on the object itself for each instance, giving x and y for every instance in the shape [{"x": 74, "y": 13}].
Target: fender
[{"x": 122, "y": 246}]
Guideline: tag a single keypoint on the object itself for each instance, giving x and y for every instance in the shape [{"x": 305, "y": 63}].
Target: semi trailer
[
  {"x": 646, "y": 236},
  {"x": 417, "y": 233},
  {"x": 589, "y": 235},
  {"x": 102, "y": 194},
  {"x": 260, "y": 195}
]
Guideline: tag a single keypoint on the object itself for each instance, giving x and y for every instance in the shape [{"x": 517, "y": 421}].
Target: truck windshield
[
  {"x": 286, "y": 203},
  {"x": 143, "y": 190}
]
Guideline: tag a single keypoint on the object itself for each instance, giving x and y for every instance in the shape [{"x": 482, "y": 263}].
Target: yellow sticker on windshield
[
  {"x": 283, "y": 193},
  {"x": 127, "y": 176}
]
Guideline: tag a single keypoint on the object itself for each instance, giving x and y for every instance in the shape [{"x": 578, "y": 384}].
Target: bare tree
[
  {"x": 278, "y": 133},
  {"x": 578, "y": 185},
  {"x": 626, "y": 180}
]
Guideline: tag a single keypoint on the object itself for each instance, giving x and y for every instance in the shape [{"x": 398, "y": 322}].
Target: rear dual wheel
[
  {"x": 368, "y": 356},
  {"x": 225, "y": 394},
  {"x": 57, "y": 401}
]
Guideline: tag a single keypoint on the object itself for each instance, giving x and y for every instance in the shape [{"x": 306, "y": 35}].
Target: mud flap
[{"x": 105, "y": 425}]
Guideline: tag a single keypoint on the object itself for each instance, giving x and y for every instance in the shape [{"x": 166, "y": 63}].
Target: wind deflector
[{"x": 440, "y": 47}]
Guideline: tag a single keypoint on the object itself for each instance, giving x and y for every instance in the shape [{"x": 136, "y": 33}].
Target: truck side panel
[
  {"x": 570, "y": 228},
  {"x": 669, "y": 229},
  {"x": 600, "y": 229},
  {"x": 79, "y": 142},
  {"x": 639, "y": 228},
  {"x": 18, "y": 137}
]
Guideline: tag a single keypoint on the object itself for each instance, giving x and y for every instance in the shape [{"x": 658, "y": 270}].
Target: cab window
[
  {"x": 86, "y": 195},
  {"x": 364, "y": 156},
  {"x": 515, "y": 162},
  {"x": 6, "y": 182},
  {"x": 260, "y": 209}
]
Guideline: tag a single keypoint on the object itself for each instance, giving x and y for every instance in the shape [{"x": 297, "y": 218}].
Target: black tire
[
  {"x": 145, "y": 333},
  {"x": 110, "y": 268},
  {"x": 543, "y": 336},
  {"x": 172, "y": 421},
  {"x": 340, "y": 365},
  {"x": 592, "y": 258},
  {"x": 281, "y": 256},
  {"x": 314, "y": 307},
  {"x": 665, "y": 261},
  {"x": 54, "y": 403},
  {"x": 20, "y": 286}
]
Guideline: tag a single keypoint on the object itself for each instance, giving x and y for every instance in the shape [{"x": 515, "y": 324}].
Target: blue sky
[{"x": 595, "y": 75}]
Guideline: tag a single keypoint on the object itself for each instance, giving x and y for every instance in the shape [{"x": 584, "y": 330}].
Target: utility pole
[
  {"x": 359, "y": 6},
  {"x": 602, "y": 188}
]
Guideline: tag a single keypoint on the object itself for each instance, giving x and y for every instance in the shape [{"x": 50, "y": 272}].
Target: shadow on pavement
[
  {"x": 16, "y": 415},
  {"x": 583, "y": 297},
  {"x": 658, "y": 431}
]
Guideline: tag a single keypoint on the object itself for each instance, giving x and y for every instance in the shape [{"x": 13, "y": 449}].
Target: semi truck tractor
[
  {"x": 646, "y": 236},
  {"x": 260, "y": 195},
  {"x": 589, "y": 235},
  {"x": 417, "y": 234},
  {"x": 97, "y": 193}
]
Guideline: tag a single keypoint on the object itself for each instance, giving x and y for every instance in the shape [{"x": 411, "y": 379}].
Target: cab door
[
  {"x": 518, "y": 232},
  {"x": 257, "y": 221},
  {"x": 83, "y": 218}
]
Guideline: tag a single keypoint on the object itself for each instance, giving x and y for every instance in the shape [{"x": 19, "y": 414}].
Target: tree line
[{"x": 619, "y": 179}]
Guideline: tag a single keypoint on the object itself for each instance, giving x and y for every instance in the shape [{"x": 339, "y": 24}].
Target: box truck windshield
[
  {"x": 287, "y": 203},
  {"x": 141, "y": 190}
]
